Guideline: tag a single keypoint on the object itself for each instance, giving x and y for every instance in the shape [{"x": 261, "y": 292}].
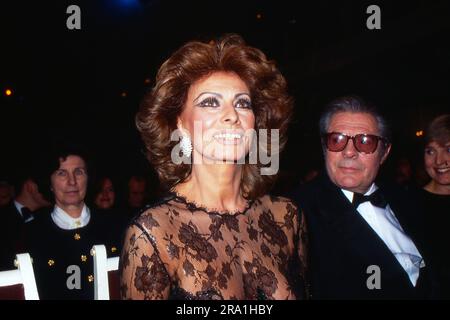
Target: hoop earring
[{"x": 186, "y": 145}]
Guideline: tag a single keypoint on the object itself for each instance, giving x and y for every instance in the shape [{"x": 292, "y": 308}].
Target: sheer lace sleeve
[
  {"x": 143, "y": 274},
  {"x": 302, "y": 250},
  {"x": 289, "y": 224}
]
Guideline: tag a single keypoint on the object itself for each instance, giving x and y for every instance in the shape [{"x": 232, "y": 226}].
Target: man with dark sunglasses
[{"x": 365, "y": 239}]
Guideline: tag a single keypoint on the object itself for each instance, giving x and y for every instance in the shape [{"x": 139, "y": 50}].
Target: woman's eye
[
  {"x": 61, "y": 173},
  {"x": 429, "y": 151},
  {"x": 79, "y": 172},
  {"x": 244, "y": 103},
  {"x": 209, "y": 102}
]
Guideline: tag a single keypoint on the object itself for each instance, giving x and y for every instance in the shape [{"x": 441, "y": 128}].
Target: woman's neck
[
  {"x": 437, "y": 188},
  {"x": 72, "y": 210},
  {"x": 215, "y": 186}
]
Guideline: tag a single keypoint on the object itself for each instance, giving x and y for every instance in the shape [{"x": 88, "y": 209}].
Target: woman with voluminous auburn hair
[{"x": 217, "y": 234}]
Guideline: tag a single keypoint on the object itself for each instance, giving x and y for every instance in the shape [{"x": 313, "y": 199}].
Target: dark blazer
[
  {"x": 11, "y": 225},
  {"x": 343, "y": 246},
  {"x": 55, "y": 252}
]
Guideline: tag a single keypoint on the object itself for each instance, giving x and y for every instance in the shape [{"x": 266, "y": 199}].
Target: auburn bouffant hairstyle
[{"x": 161, "y": 107}]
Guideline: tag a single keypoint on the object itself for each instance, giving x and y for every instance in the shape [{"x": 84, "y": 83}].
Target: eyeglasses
[{"x": 365, "y": 143}]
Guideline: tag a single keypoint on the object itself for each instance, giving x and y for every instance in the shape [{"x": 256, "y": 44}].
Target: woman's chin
[{"x": 223, "y": 159}]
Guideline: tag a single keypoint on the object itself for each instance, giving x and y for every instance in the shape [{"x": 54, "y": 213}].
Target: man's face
[
  {"x": 69, "y": 182},
  {"x": 350, "y": 169},
  {"x": 136, "y": 195}
]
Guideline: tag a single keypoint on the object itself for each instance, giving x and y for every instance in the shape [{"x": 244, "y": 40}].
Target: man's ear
[
  {"x": 29, "y": 186},
  {"x": 386, "y": 153}
]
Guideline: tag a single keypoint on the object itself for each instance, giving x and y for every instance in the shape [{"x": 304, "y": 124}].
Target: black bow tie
[
  {"x": 26, "y": 213},
  {"x": 376, "y": 199}
]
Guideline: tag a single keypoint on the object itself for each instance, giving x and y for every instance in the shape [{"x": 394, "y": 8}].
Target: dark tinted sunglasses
[{"x": 365, "y": 143}]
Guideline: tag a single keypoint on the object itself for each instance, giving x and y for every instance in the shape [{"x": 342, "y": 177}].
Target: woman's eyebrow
[
  {"x": 237, "y": 95},
  {"x": 76, "y": 168},
  {"x": 207, "y": 92}
]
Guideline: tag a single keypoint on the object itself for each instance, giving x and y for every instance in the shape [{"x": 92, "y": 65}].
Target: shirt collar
[
  {"x": 63, "y": 220},
  {"x": 19, "y": 206},
  {"x": 349, "y": 194}
]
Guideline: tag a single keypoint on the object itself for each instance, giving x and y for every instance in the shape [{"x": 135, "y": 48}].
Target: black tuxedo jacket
[{"x": 343, "y": 246}]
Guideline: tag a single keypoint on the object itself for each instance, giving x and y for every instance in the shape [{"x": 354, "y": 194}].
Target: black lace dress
[{"x": 179, "y": 250}]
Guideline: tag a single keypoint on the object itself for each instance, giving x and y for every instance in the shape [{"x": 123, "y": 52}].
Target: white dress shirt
[
  {"x": 63, "y": 220},
  {"x": 387, "y": 227}
]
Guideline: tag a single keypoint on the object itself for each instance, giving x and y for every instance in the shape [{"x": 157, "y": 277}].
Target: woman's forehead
[
  {"x": 72, "y": 161},
  {"x": 218, "y": 82}
]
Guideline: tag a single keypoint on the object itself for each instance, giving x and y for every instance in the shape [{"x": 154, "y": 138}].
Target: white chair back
[
  {"x": 24, "y": 275},
  {"x": 102, "y": 265}
]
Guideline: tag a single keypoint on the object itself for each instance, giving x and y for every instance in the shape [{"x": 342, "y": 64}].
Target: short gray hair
[{"x": 353, "y": 104}]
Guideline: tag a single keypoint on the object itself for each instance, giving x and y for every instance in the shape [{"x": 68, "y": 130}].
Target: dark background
[{"x": 86, "y": 85}]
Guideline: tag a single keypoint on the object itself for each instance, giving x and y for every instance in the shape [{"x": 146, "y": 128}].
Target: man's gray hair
[{"x": 353, "y": 104}]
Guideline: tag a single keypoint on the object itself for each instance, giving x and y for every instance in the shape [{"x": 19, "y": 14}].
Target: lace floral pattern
[{"x": 179, "y": 250}]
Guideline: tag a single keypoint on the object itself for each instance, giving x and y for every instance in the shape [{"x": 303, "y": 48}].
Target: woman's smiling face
[
  {"x": 218, "y": 116},
  {"x": 437, "y": 162}
]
